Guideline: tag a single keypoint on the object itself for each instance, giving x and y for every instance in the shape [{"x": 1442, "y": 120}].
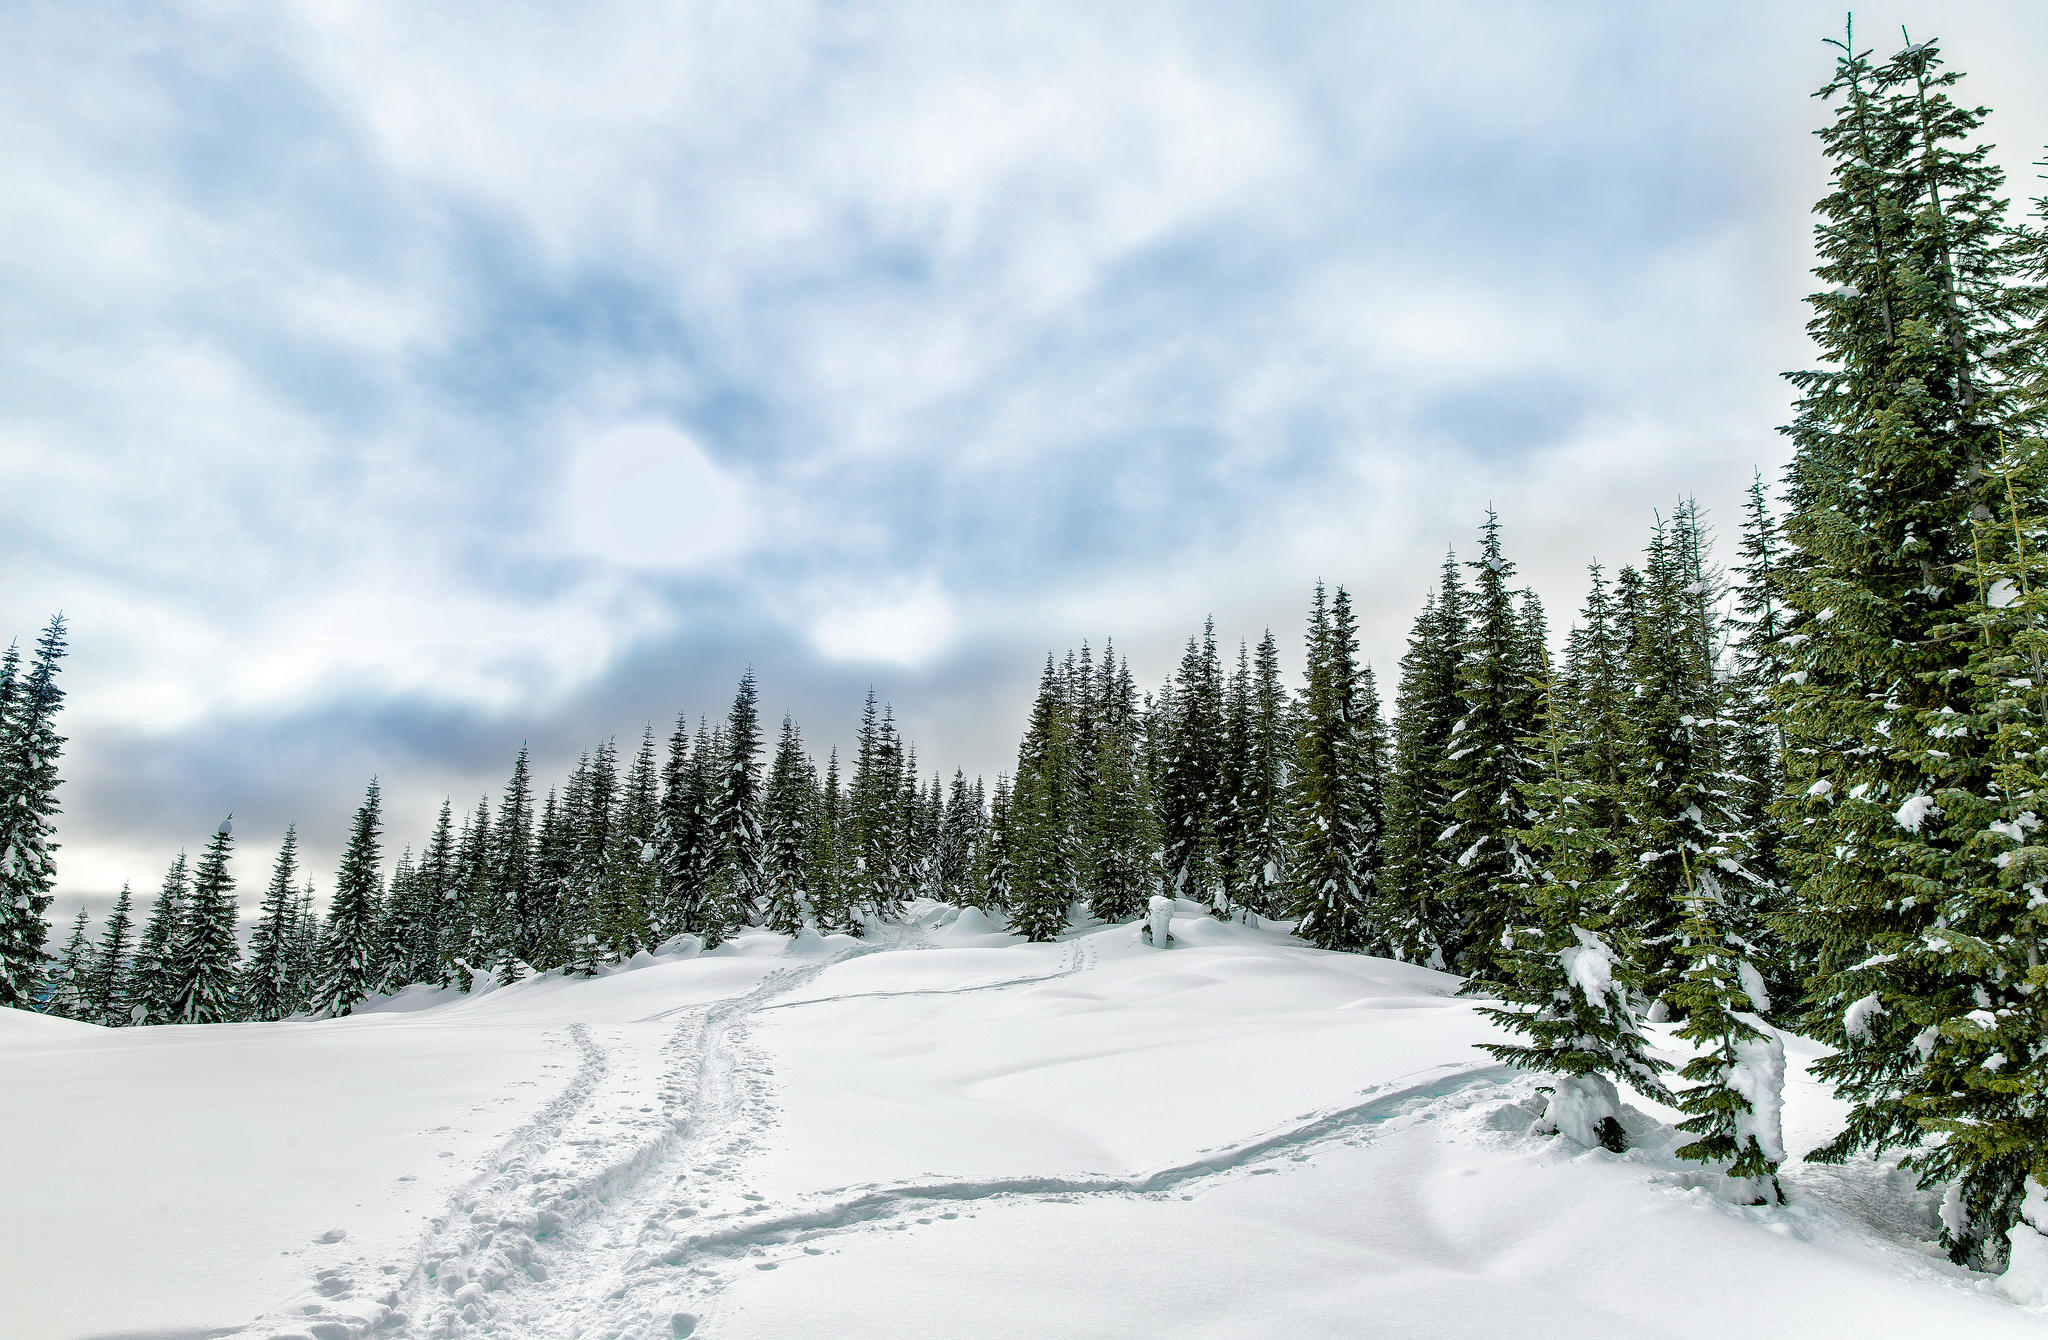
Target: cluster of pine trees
[
  {"x": 705, "y": 841},
  {"x": 1802, "y": 791}
]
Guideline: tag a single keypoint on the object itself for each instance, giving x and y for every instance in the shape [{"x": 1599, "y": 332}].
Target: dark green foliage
[
  {"x": 268, "y": 989},
  {"x": 1120, "y": 838},
  {"x": 1190, "y": 727},
  {"x": 1894, "y": 434},
  {"x": 108, "y": 993},
  {"x": 1335, "y": 848},
  {"x": 152, "y": 985},
  {"x": 29, "y": 750},
  {"x": 351, "y": 968},
  {"x": 1416, "y": 918},
  {"x": 1487, "y": 769},
  {"x": 1042, "y": 816},
  {"x": 67, "y": 990},
  {"x": 740, "y": 888},
  {"x": 1562, "y": 982},
  {"x": 207, "y": 955},
  {"x": 790, "y": 802}
]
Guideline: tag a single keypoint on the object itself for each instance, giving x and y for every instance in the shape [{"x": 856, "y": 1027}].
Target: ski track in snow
[{"x": 609, "y": 1216}]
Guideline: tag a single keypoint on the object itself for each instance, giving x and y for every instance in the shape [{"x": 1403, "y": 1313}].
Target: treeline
[{"x": 702, "y": 840}]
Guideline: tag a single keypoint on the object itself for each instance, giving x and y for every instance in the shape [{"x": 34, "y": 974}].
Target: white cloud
[
  {"x": 647, "y": 495},
  {"x": 906, "y": 627}
]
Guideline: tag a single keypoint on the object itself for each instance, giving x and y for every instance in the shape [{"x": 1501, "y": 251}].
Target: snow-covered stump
[
  {"x": 1585, "y": 1109},
  {"x": 1158, "y": 930}
]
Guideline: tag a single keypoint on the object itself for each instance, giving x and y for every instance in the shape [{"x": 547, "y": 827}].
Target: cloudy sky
[{"x": 382, "y": 386}]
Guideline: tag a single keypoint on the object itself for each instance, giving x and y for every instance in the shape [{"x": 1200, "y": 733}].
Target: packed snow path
[{"x": 931, "y": 1132}]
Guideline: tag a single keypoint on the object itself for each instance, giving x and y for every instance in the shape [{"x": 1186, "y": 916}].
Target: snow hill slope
[{"x": 937, "y": 1131}]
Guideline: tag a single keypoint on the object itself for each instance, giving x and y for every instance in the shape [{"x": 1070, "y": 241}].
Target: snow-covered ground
[{"x": 937, "y": 1131}]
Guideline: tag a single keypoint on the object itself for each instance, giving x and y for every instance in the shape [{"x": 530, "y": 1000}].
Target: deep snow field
[{"x": 936, "y": 1131}]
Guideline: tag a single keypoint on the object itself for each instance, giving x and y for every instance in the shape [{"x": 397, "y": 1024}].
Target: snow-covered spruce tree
[
  {"x": 957, "y": 830},
  {"x": 1335, "y": 842},
  {"x": 1593, "y": 700},
  {"x": 306, "y": 952},
  {"x": 522, "y": 909},
  {"x": 917, "y": 825},
  {"x": 1120, "y": 840},
  {"x": 1228, "y": 810},
  {"x": 741, "y": 887},
  {"x": 1080, "y": 687},
  {"x": 995, "y": 876},
  {"x": 152, "y": 984},
  {"x": 1561, "y": 983},
  {"x": 1042, "y": 817},
  {"x": 267, "y": 977},
  {"x": 1189, "y": 763},
  {"x": 1487, "y": 769},
  {"x": 1416, "y": 916},
  {"x": 107, "y": 994},
  {"x": 349, "y": 969},
  {"x": 1756, "y": 627},
  {"x": 791, "y": 798},
  {"x": 208, "y": 954},
  {"x": 67, "y": 990},
  {"x": 680, "y": 841},
  {"x": 29, "y": 749},
  {"x": 634, "y": 856},
  {"x": 593, "y": 892},
  {"x": 1892, "y": 439},
  {"x": 1269, "y": 751},
  {"x": 874, "y": 843},
  {"x": 395, "y": 927},
  {"x": 1679, "y": 802},
  {"x": 438, "y": 901},
  {"x": 469, "y": 950},
  {"x": 832, "y": 881}
]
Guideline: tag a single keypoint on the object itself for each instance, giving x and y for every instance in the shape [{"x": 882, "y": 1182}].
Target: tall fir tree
[
  {"x": 267, "y": 987},
  {"x": 153, "y": 982},
  {"x": 438, "y": 925},
  {"x": 208, "y": 953},
  {"x": 833, "y": 890},
  {"x": 521, "y": 908},
  {"x": 1892, "y": 437},
  {"x": 995, "y": 877},
  {"x": 29, "y": 750},
  {"x": 1487, "y": 769},
  {"x": 1043, "y": 884},
  {"x": 1189, "y": 767},
  {"x": 787, "y": 809},
  {"x": 741, "y": 887},
  {"x": 1428, "y": 706},
  {"x": 349, "y": 970},
  {"x": 112, "y": 966},
  {"x": 1121, "y": 838},
  {"x": 68, "y": 988},
  {"x": 957, "y": 835},
  {"x": 1335, "y": 847},
  {"x": 1269, "y": 757}
]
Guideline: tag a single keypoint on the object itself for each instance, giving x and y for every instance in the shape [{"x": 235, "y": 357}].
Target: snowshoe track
[
  {"x": 687, "y": 1275},
  {"x": 551, "y": 1240}
]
